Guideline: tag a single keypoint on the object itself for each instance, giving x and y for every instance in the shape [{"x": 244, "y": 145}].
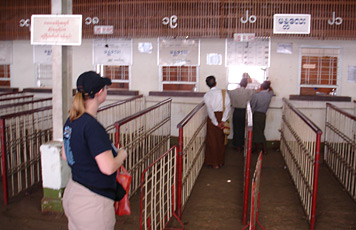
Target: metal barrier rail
[
  {"x": 192, "y": 135},
  {"x": 22, "y": 134},
  {"x": 107, "y": 115},
  {"x": 340, "y": 146},
  {"x": 17, "y": 99},
  {"x": 146, "y": 136},
  {"x": 158, "y": 192},
  {"x": 255, "y": 195},
  {"x": 300, "y": 148},
  {"x": 17, "y": 129},
  {"x": 23, "y": 106},
  {"x": 247, "y": 160},
  {"x": 27, "y": 105},
  {"x": 11, "y": 94}
]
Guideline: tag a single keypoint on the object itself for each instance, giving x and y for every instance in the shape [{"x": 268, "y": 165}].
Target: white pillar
[
  {"x": 61, "y": 75},
  {"x": 55, "y": 171},
  {"x": 55, "y": 176}
]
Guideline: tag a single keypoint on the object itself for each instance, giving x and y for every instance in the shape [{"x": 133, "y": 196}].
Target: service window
[
  {"x": 179, "y": 78},
  {"x": 5, "y": 75},
  {"x": 319, "y": 71},
  {"x": 119, "y": 75}
]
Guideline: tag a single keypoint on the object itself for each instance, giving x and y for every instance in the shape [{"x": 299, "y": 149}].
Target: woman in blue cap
[{"x": 89, "y": 196}]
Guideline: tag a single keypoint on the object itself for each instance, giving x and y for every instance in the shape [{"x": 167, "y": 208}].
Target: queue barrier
[
  {"x": 159, "y": 194},
  {"x": 22, "y": 134},
  {"x": 15, "y": 99},
  {"x": 247, "y": 160},
  {"x": 108, "y": 114},
  {"x": 255, "y": 196},
  {"x": 25, "y": 105},
  {"x": 11, "y": 94},
  {"x": 145, "y": 136},
  {"x": 300, "y": 148},
  {"x": 340, "y": 147},
  {"x": 192, "y": 136}
]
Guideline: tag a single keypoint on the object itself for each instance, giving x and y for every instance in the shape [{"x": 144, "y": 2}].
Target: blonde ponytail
[{"x": 78, "y": 107}]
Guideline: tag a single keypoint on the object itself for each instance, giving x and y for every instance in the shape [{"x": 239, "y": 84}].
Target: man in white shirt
[{"x": 218, "y": 115}]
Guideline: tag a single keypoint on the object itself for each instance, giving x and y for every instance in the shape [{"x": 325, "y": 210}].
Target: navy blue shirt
[{"x": 84, "y": 139}]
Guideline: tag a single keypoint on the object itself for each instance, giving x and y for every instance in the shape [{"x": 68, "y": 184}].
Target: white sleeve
[
  {"x": 226, "y": 114},
  {"x": 210, "y": 110}
]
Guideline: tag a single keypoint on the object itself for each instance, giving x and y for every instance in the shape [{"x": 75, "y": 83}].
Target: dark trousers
[
  {"x": 259, "y": 124},
  {"x": 239, "y": 117}
]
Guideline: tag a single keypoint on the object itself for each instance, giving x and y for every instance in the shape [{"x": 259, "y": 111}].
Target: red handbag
[{"x": 122, "y": 207}]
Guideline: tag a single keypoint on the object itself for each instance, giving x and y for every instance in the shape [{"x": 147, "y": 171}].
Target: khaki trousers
[{"x": 87, "y": 210}]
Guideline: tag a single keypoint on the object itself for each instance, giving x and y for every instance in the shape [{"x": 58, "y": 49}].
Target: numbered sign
[{"x": 291, "y": 24}]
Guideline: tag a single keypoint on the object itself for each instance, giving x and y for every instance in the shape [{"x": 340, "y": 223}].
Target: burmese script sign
[
  {"x": 291, "y": 24},
  {"x": 56, "y": 30}
]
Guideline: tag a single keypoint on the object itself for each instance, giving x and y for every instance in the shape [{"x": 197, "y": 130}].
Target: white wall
[
  {"x": 283, "y": 73},
  {"x": 22, "y": 68},
  {"x": 144, "y": 70},
  {"x": 82, "y": 59}
]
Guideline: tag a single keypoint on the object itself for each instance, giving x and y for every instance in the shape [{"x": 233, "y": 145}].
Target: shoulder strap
[{"x": 223, "y": 96}]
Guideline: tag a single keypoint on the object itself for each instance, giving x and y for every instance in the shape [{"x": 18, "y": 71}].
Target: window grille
[
  {"x": 319, "y": 72},
  {"x": 5, "y": 75},
  {"x": 119, "y": 75},
  {"x": 179, "y": 78},
  {"x": 44, "y": 75}
]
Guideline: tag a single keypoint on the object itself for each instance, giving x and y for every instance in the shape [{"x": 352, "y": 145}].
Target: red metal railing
[
  {"x": 26, "y": 105},
  {"x": 191, "y": 153},
  {"x": 146, "y": 136},
  {"x": 16, "y": 99},
  {"x": 300, "y": 147},
  {"x": 107, "y": 115},
  {"x": 340, "y": 146},
  {"x": 255, "y": 196},
  {"x": 247, "y": 161},
  {"x": 11, "y": 94},
  {"x": 158, "y": 192},
  {"x": 22, "y": 134}
]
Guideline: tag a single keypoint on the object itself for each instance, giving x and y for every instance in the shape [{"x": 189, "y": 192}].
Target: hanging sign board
[
  {"x": 291, "y": 23},
  {"x": 103, "y": 29},
  {"x": 178, "y": 52},
  {"x": 247, "y": 37},
  {"x": 50, "y": 29},
  {"x": 254, "y": 53},
  {"x": 112, "y": 52}
]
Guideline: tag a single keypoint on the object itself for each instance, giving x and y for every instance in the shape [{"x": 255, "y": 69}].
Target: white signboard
[
  {"x": 103, "y": 29},
  {"x": 291, "y": 24},
  {"x": 255, "y": 53},
  {"x": 56, "y": 30},
  {"x": 285, "y": 48},
  {"x": 244, "y": 37},
  {"x": 5, "y": 52},
  {"x": 177, "y": 52},
  {"x": 42, "y": 54},
  {"x": 213, "y": 59},
  {"x": 112, "y": 52},
  {"x": 145, "y": 47},
  {"x": 351, "y": 73}
]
